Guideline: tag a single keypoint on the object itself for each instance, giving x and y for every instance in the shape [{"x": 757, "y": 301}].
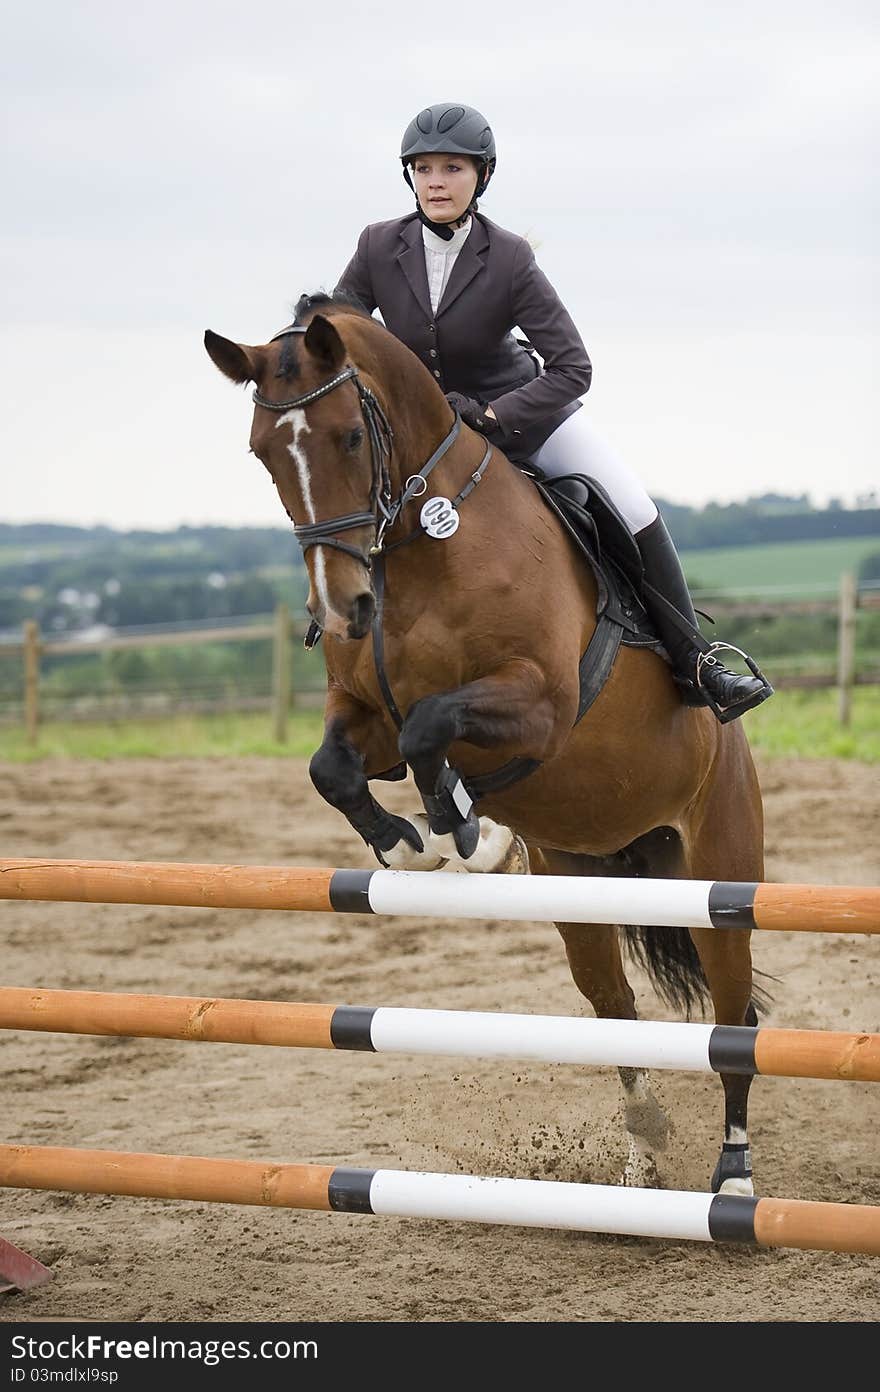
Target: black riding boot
[{"x": 701, "y": 677}]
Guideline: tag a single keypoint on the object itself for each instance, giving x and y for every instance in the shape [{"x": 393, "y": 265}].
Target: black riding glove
[{"x": 472, "y": 412}]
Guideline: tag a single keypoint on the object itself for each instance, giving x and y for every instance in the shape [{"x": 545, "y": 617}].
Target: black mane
[
  {"x": 306, "y": 305},
  {"x": 319, "y": 299}
]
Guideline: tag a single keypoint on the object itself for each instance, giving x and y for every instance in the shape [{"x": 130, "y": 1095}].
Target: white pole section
[
  {"x": 555, "y": 898},
  {"x": 541, "y": 1203},
  {"x": 545, "y": 1038}
]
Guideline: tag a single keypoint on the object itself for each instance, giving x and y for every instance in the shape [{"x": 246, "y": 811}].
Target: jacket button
[
  {"x": 432, "y": 352},
  {"x": 516, "y": 432},
  {"x": 432, "y": 328},
  {"x": 436, "y": 373}
]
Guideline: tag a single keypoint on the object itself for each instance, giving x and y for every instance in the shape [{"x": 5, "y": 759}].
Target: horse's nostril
[{"x": 362, "y": 611}]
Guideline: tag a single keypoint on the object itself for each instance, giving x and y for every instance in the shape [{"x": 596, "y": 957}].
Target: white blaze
[{"x": 296, "y": 419}]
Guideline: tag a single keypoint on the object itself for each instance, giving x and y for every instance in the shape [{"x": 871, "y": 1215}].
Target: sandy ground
[{"x": 139, "y": 1259}]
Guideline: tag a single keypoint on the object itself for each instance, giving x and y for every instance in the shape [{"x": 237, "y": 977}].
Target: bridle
[
  {"x": 383, "y": 514},
  {"x": 384, "y": 510}
]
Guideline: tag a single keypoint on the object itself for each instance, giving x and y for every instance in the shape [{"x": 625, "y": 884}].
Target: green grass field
[
  {"x": 796, "y": 724},
  {"x": 810, "y": 568}
]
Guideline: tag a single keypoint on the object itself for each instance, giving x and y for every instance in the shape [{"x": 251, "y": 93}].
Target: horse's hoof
[
  {"x": 640, "y": 1171},
  {"x": 500, "y": 851},
  {"x": 515, "y": 860},
  {"x": 467, "y": 836},
  {"x": 745, "y": 1187},
  {"x": 733, "y": 1173},
  {"x": 404, "y": 856}
]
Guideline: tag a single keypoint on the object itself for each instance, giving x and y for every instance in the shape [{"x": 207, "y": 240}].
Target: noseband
[{"x": 384, "y": 511}]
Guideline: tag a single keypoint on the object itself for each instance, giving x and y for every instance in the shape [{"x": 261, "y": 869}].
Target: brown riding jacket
[{"x": 468, "y": 344}]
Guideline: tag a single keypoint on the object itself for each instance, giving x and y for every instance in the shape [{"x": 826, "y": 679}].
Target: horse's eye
[{"x": 354, "y": 439}]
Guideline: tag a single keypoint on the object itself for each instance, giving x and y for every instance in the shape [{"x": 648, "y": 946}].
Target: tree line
[{"x": 72, "y": 578}]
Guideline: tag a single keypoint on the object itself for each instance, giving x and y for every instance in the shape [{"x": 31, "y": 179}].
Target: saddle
[{"x": 607, "y": 545}]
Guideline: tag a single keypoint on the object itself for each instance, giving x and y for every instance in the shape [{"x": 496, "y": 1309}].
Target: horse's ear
[
  {"x": 324, "y": 343},
  {"x": 235, "y": 360}
]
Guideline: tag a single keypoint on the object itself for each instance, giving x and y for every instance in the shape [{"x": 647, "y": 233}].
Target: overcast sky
[{"x": 701, "y": 181}]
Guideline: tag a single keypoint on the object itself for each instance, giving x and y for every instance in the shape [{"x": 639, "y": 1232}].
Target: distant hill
[
  {"x": 70, "y": 578},
  {"x": 771, "y": 518}
]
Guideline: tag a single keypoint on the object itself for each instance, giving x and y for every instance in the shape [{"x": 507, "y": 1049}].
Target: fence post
[
  {"x": 846, "y": 646},
  {"x": 281, "y": 673},
  {"x": 31, "y": 680}
]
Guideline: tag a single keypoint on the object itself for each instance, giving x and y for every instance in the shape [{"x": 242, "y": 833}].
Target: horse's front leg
[
  {"x": 356, "y": 741},
  {"x": 510, "y": 708}
]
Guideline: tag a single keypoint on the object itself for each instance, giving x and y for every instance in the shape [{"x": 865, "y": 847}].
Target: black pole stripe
[
  {"x": 350, "y": 1027},
  {"x": 350, "y": 891},
  {"x": 732, "y": 1049},
  {"x": 349, "y": 1190},
  {"x": 732, "y": 1218},
  {"x": 731, "y": 905}
]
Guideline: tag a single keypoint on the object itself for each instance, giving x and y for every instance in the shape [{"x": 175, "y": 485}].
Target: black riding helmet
[{"x": 448, "y": 128}]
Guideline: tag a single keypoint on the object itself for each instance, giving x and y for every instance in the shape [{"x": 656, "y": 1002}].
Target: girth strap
[
  {"x": 595, "y": 666},
  {"x": 484, "y": 783},
  {"x": 593, "y": 671}
]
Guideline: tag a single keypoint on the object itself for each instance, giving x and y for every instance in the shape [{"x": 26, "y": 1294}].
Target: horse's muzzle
[{"x": 354, "y": 624}]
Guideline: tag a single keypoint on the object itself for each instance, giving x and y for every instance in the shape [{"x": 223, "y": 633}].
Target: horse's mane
[
  {"x": 318, "y": 301},
  {"x": 344, "y": 301}
]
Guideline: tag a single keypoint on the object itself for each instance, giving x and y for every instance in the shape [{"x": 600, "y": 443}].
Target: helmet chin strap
[{"x": 442, "y": 229}]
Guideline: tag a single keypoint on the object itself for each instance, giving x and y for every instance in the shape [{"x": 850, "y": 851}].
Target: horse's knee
[
  {"x": 336, "y": 770},
  {"x": 429, "y": 728}
]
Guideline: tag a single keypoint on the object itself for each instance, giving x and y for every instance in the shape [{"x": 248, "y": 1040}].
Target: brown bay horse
[{"x": 455, "y": 611}]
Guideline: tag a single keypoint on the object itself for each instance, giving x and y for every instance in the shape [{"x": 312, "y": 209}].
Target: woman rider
[{"x": 452, "y": 286}]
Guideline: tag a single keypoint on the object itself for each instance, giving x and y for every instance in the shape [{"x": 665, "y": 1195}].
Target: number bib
[{"x": 439, "y": 518}]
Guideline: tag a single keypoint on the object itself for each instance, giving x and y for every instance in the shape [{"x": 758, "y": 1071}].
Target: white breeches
[{"x": 575, "y": 447}]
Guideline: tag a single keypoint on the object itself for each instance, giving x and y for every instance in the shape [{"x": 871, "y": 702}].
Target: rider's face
[{"x": 444, "y": 185}]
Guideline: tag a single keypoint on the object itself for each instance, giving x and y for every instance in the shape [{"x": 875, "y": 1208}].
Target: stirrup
[{"x": 707, "y": 658}]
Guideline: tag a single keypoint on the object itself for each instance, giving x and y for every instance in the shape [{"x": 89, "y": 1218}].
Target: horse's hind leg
[
  {"x": 594, "y": 958},
  {"x": 727, "y": 961},
  {"x": 724, "y": 841}
]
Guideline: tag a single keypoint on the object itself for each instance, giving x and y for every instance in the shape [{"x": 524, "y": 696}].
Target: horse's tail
[{"x": 669, "y": 957}]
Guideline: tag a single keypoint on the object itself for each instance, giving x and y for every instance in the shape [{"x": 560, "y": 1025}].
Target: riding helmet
[{"x": 450, "y": 128}]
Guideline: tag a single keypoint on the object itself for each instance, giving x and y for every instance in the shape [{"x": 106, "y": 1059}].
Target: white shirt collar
[{"x": 454, "y": 243}]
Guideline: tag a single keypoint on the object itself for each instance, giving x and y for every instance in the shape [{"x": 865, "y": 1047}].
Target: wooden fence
[
  {"x": 280, "y": 629},
  {"x": 850, "y": 599}
]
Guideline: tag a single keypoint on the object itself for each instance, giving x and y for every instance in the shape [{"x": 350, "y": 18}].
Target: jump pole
[
  {"x": 380, "y": 1029},
  {"x": 534, "y": 1203},
  {"x": 412, "y": 893}
]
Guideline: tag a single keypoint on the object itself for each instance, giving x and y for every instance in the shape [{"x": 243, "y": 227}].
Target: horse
[{"x": 453, "y": 623}]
